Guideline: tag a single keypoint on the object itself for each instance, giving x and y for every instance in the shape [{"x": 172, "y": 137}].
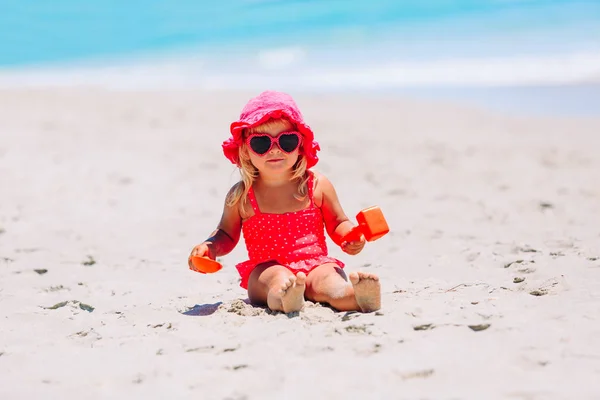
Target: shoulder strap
[
  {"x": 253, "y": 201},
  {"x": 311, "y": 183}
]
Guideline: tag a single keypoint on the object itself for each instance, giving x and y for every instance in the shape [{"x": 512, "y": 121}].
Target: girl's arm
[
  {"x": 337, "y": 223},
  {"x": 223, "y": 239}
]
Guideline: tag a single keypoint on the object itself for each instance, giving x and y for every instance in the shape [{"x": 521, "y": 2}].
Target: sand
[{"x": 490, "y": 273}]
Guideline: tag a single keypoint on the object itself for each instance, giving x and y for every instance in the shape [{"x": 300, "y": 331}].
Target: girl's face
[{"x": 275, "y": 160}]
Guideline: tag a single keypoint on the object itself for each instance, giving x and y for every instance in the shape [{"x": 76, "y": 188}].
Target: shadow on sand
[{"x": 203, "y": 310}]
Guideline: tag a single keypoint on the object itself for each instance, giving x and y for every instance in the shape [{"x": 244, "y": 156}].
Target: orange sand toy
[
  {"x": 371, "y": 224},
  {"x": 205, "y": 265}
]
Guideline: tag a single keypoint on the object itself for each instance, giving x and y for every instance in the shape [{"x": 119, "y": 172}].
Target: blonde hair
[{"x": 249, "y": 172}]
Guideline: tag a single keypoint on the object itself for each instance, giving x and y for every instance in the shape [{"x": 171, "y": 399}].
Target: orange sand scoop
[
  {"x": 205, "y": 265},
  {"x": 371, "y": 224}
]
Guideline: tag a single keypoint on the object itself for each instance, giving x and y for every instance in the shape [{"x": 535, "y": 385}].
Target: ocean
[{"x": 429, "y": 48}]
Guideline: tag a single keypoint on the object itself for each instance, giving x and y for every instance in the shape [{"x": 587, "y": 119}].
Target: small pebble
[{"x": 480, "y": 327}]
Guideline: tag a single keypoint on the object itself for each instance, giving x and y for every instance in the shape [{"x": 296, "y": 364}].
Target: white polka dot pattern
[{"x": 294, "y": 239}]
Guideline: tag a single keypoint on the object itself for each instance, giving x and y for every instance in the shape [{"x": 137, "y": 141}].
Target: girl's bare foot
[
  {"x": 290, "y": 296},
  {"x": 367, "y": 291}
]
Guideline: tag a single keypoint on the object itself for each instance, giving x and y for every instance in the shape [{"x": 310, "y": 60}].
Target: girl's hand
[
  {"x": 354, "y": 247},
  {"x": 202, "y": 250}
]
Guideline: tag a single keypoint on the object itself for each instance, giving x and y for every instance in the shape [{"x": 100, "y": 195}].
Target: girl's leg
[
  {"x": 277, "y": 287},
  {"x": 328, "y": 284}
]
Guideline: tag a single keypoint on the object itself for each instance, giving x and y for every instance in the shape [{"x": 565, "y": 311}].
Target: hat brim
[{"x": 309, "y": 145}]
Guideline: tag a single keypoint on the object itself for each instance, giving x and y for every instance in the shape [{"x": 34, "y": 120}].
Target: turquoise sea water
[
  {"x": 303, "y": 44},
  {"x": 63, "y": 30}
]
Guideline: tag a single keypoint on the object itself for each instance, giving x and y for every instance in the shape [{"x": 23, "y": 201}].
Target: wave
[{"x": 294, "y": 68}]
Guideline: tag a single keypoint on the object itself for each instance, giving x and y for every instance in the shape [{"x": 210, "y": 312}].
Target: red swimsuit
[{"x": 295, "y": 240}]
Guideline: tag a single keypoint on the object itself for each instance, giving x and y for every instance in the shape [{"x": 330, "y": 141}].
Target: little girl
[{"x": 283, "y": 208}]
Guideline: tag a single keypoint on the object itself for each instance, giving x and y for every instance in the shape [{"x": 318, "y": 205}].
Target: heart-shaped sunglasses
[{"x": 262, "y": 143}]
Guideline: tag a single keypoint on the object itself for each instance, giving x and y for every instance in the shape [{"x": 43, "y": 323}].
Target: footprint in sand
[{"x": 553, "y": 286}]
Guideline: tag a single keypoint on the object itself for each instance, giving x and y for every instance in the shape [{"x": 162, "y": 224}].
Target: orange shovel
[
  {"x": 371, "y": 224},
  {"x": 205, "y": 265}
]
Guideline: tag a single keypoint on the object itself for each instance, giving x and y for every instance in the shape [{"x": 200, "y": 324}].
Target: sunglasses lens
[
  {"x": 260, "y": 144},
  {"x": 288, "y": 142}
]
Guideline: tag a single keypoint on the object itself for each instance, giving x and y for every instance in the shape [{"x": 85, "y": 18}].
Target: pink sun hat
[{"x": 271, "y": 105}]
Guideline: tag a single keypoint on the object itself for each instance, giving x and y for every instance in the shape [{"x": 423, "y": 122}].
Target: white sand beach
[{"x": 490, "y": 274}]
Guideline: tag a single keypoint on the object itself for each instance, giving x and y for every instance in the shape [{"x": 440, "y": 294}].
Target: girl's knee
[
  {"x": 264, "y": 276},
  {"x": 328, "y": 288},
  {"x": 327, "y": 275}
]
